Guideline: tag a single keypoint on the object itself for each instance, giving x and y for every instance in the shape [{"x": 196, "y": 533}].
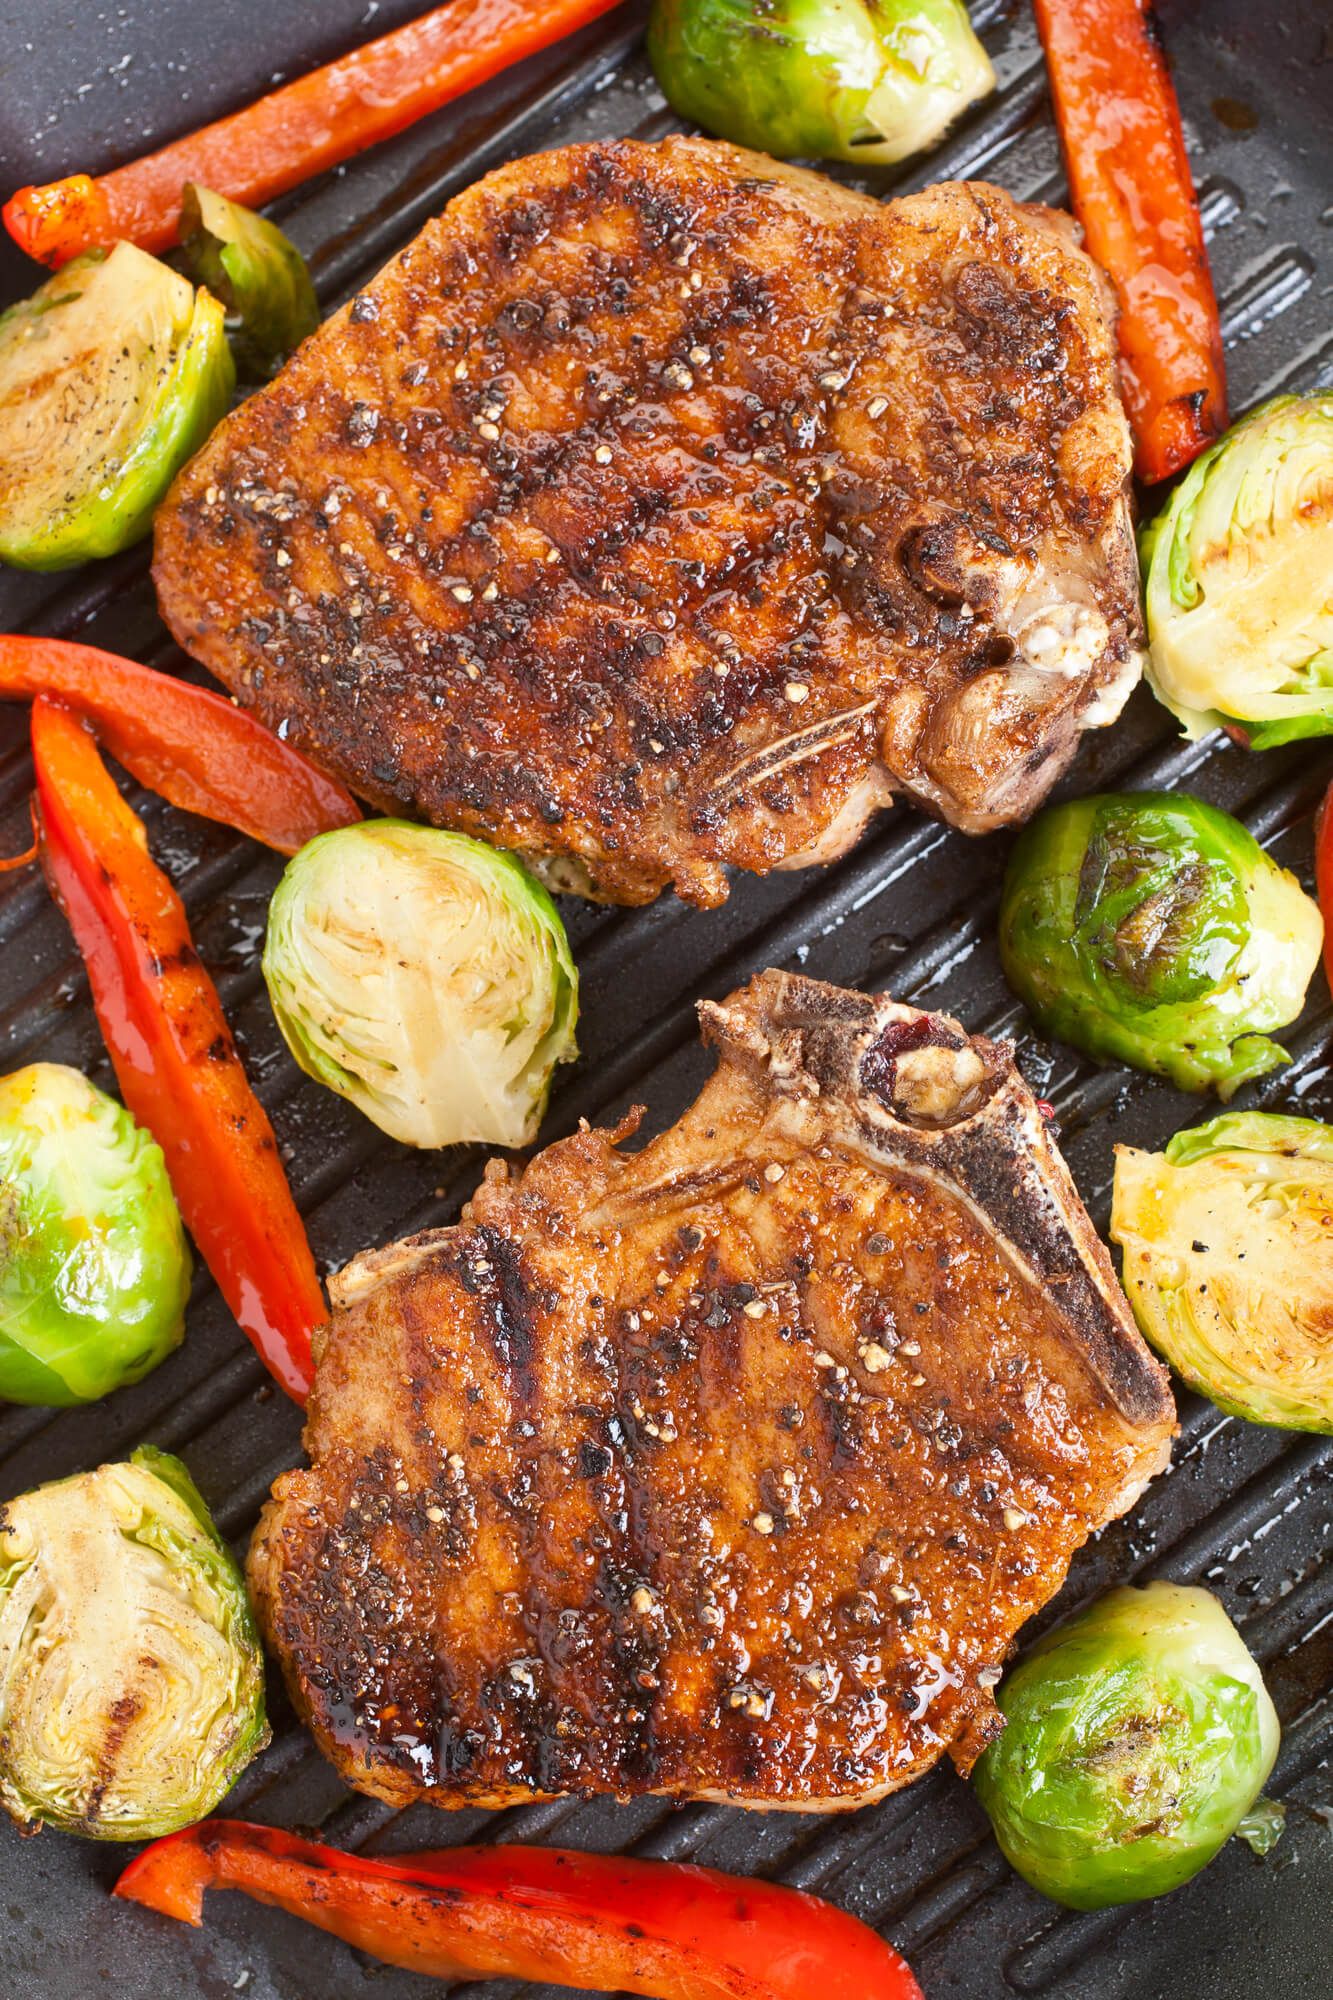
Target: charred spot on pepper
[
  {"x": 1152, "y": 31},
  {"x": 160, "y": 965}
]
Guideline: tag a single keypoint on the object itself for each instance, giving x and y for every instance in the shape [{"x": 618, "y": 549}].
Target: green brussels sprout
[
  {"x": 860, "y": 80},
  {"x": 257, "y": 272},
  {"x": 1152, "y": 929},
  {"x": 1228, "y": 1262},
  {"x": 1240, "y": 616},
  {"x": 111, "y": 375},
  {"x": 131, "y": 1677},
  {"x": 94, "y": 1268},
  {"x": 1137, "y": 1738},
  {"x": 424, "y": 976}
]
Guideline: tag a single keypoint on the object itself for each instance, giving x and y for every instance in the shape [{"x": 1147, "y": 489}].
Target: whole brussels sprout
[
  {"x": 1137, "y": 1738},
  {"x": 259, "y": 275},
  {"x": 131, "y": 1678},
  {"x": 1240, "y": 617},
  {"x": 1228, "y": 1261},
  {"x": 870, "y": 81},
  {"x": 111, "y": 375},
  {"x": 94, "y": 1268},
  {"x": 425, "y": 977},
  {"x": 1152, "y": 929}
]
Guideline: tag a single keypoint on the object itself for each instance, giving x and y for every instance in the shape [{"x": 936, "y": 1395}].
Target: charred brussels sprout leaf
[
  {"x": 261, "y": 278},
  {"x": 1240, "y": 617},
  {"x": 131, "y": 1679},
  {"x": 1152, "y": 929},
  {"x": 1164, "y": 922},
  {"x": 425, "y": 977},
  {"x": 1228, "y": 1262},
  {"x": 94, "y": 1269},
  {"x": 111, "y": 375},
  {"x": 1137, "y": 1738},
  {"x": 861, "y": 80}
]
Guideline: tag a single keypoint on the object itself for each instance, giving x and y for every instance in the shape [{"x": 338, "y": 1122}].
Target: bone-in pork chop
[
  {"x": 662, "y": 508},
  {"x": 724, "y": 1469}
]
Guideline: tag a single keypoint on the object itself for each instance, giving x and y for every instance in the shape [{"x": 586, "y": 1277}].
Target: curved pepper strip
[
  {"x": 192, "y": 746},
  {"x": 1323, "y": 876},
  {"x": 1129, "y": 175},
  {"x": 298, "y": 131},
  {"x": 539, "y": 1913},
  {"x": 13, "y": 862},
  {"x": 174, "y": 1056}
]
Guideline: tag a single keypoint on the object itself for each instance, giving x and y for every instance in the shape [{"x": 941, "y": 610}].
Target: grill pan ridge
[{"x": 1246, "y": 1510}]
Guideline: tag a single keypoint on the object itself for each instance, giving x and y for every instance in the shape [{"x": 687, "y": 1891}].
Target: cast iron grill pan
[{"x": 1246, "y": 1510}]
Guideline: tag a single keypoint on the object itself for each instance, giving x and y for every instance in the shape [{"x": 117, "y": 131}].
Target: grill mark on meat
[
  {"x": 641, "y": 1636},
  {"x": 493, "y": 1274}
]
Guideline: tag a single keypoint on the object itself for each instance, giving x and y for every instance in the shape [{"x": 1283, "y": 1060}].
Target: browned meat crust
[
  {"x": 662, "y": 508},
  {"x": 727, "y": 1468}
]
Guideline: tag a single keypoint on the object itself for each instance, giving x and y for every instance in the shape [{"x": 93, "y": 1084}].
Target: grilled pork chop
[
  {"x": 662, "y": 508},
  {"x": 724, "y": 1469}
]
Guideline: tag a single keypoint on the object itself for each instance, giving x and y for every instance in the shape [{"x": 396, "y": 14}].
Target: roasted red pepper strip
[
  {"x": 539, "y": 1913},
  {"x": 1323, "y": 876},
  {"x": 1130, "y": 179},
  {"x": 190, "y": 745},
  {"x": 298, "y": 131},
  {"x": 177, "y": 1065}
]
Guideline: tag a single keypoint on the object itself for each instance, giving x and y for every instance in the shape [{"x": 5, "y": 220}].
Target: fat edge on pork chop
[
  {"x": 662, "y": 508},
  {"x": 728, "y": 1468}
]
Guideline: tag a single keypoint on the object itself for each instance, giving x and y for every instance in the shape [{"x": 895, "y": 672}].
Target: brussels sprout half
[
  {"x": 1152, "y": 929},
  {"x": 111, "y": 375},
  {"x": 425, "y": 977},
  {"x": 131, "y": 1678},
  {"x": 1228, "y": 1262},
  {"x": 1137, "y": 1738},
  {"x": 94, "y": 1268},
  {"x": 259, "y": 275},
  {"x": 861, "y": 80},
  {"x": 1237, "y": 565}
]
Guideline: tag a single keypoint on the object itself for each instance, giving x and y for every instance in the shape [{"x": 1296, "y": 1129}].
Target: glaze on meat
[
  {"x": 728, "y": 1468},
  {"x": 663, "y": 509}
]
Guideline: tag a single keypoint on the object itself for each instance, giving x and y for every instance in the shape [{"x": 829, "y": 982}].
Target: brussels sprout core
[
  {"x": 425, "y": 977},
  {"x": 1137, "y": 1738},
  {"x": 861, "y": 80},
  {"x": 111, "y": 375},
  {"x": 94, "y": 1269},
  {"x": 1240, "y": 614},
  {"x": 131, "y": 1680},
  {"x": 1228, "y": 1262},
  {"x": 1150, "y": 928}
]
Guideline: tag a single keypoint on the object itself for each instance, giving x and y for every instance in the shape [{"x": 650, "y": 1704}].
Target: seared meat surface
[
  {"x": 662, "y": 508},
  {"x": 729, "y": 1468}
]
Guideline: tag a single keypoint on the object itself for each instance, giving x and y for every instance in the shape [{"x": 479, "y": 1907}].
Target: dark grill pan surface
[{"x": 1245, "y": 1510}]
